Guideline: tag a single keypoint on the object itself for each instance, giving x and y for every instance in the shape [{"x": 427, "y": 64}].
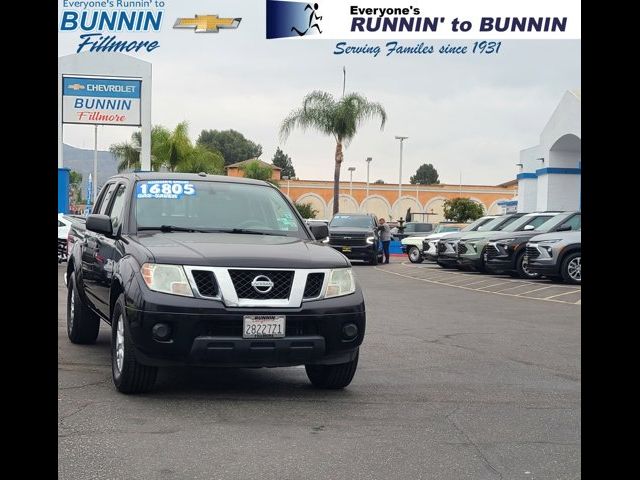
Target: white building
[{"x": 549, "y": 177}]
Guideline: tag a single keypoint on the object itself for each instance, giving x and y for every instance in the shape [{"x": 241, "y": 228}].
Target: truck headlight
[
  {"x": 370, "y": 240},
  {"x": 341, "y": 282},
  {"x": 325, "y": 240},
  {"x": 166, "y": 279}
]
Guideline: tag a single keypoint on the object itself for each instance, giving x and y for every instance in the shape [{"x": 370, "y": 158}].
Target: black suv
[
  {"x": 356, "y": 236},
  {"x": 193, "y": 269}
]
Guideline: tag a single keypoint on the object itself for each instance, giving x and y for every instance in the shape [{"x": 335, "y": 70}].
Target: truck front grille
[
  {"x": 349, "y": 240},
  {"x": 242, "y": 279},
  {"x": 206, "y": 283},
  {"x": 462, "y": 248},
  {"x": 492, "y": 252},
  {"x": 314, "y": 285}
]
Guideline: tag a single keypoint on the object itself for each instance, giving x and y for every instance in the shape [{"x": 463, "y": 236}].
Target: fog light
[
  {"x": 161, "y": 331},
  {"x": 349, "y": 331}
]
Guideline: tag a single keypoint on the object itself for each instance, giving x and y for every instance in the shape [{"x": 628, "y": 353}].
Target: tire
[
  {"x": 414, "y": 255},
  {"x": 374, "y": 259},
  {"x": 129, "y": 376},
  {"x": 83, "y": 324},
  {"x": 522, "y": 270},
  {"x": 482, "y": 267},
  {"x": 572, "y": 268},
  {"x": 332, "y": 377}
]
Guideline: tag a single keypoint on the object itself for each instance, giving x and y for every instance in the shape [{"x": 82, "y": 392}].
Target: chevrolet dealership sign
[{"x": 101, "y": 101}]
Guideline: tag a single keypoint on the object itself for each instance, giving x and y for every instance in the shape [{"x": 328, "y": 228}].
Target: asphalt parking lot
[{"x": 456, "y": 381}]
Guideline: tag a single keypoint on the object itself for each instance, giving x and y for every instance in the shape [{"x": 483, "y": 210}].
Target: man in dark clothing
[{"x": 385, "y": 238}]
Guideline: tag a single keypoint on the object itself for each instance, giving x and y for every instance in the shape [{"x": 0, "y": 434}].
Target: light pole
[
  {"x": 285, "y": 177},
  {"x": 368, "y": 165},
  {"x": 402, "y": 139},
  {"x": 351, "y": 170}
]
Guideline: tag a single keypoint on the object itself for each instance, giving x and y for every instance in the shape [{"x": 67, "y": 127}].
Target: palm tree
[
  {"x": 129, "y": 152},
  {"x": 339, "y": 118}
]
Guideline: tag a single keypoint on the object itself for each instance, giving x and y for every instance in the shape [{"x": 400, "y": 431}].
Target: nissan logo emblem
[{"x": 262, "y": 284}]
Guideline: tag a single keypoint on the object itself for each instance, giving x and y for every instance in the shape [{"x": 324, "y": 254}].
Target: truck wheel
[
  {"x": 522, "y": 269},
  {"x": 83, "y": 324},
  {"x": 414, "y": 255},
  {"x": 129, "y": 376},
  {"x": 572, "y": 268},
  {"x": 374, "y": 259},
  {"x": 332, "y": 377}
]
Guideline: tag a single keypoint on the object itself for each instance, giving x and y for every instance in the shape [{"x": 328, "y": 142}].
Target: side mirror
[
  {"x": 100, "y": 224},
  {"x": 529, "y": 227},
  {"x": 564, "y": 228},
  {"x": 319, "y": 231}
]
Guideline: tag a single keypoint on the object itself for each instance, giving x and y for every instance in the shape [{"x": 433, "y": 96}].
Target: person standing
[{"x": 385, "y": 238}]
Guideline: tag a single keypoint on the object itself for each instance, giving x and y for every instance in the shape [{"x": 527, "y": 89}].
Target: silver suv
[{"x": 556, "y": 255}]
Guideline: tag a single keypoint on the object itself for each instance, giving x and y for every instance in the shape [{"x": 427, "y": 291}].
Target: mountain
[{"x": 81, "y": 161}]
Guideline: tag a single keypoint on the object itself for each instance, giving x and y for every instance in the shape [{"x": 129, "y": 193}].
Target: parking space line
[
  {"x": 490, "y": 286},
  {"x": 476, "y": 289},
  {"x": 519, "y": 285},
  {"x": 536, "y": 290},
  {"x": 577, "y": 290}
]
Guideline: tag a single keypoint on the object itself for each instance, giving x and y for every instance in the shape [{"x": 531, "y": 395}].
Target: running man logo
[
  {"x": 76, "y": 87},
  {"x": 292, "y": 19},
  {"x": 207, "y": 23}
]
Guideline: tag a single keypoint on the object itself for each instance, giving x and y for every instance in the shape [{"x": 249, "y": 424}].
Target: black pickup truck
[{"x": 194, "y": 269}]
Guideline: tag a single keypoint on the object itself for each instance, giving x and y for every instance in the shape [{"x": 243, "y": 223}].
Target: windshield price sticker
[{"x": 172, "y": 189}]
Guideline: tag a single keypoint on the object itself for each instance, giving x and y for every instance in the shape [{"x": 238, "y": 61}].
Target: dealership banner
[{"x": 416, "y": 19}]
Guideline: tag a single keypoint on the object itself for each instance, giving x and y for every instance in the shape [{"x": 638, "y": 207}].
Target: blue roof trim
[
  {"x": 561, "y": 171},
  {"x": 520, "y": 176}
]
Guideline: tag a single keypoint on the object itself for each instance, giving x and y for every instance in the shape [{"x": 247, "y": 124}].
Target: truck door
[
  {"x": 90, "y": 265},
  {"x": 107, "y": 250}
]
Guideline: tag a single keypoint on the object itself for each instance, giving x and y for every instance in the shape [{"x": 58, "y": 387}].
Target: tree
[
  {"x": 462, "y": 210},
  {"x": 306, "y": 210},
  {"x": 129, "y": 152},
  {"x": 232, "y": 145},
  {"x": 75, "y": 184},
  {"x": 282, "y": 160},
  {"x": 337, "y": 118},
  {"x": 171, "y": 149},
  {"x": 379, "y": 182},
  {"x": 425, "y": 175},
  {"x": 258, "y": 171}
]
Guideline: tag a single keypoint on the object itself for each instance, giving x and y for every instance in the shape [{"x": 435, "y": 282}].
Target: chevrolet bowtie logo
[
  {"x": 207, "y": 23},
  {"x": 75, "y": 86}
]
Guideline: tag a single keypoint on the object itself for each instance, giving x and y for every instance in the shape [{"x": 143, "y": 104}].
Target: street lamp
[
  {"x": 368, "y": 165},
  {"x": 351, "y": 170},
  {"x": 402, "y": 139},
  {"x": 285, "y": 177}
]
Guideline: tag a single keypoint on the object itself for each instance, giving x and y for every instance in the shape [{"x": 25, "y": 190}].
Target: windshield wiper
[
  {"x": 174, "y": 228},
  {"x": 247, "y": 231}
]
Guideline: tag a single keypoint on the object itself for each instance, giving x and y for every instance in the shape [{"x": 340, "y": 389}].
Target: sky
[{"x": 467, "y": 115}]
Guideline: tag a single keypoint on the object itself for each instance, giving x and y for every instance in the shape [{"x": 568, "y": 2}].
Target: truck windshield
[
  {"x": 358, "y": 221},
  {"x": 446, "y": 228},
  {"x": 214, "y": 206}
]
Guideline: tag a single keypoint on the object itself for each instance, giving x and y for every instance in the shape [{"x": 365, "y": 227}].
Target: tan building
[
  {"x": 236, "y": 169},
  {"x": 384, "y": 200}
]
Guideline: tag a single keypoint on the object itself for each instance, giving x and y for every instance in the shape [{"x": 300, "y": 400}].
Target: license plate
[
  {"x": 346, "y": 249},
  {"x": 263, "y": 326}
]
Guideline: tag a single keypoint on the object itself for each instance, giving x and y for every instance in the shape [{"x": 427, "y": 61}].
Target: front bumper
[
  {"x": 206, "y": 333},
  {"x": 500, "y": 264},
  {"x": 356, "y": 252},
  {"x": 547, "y": 266}
]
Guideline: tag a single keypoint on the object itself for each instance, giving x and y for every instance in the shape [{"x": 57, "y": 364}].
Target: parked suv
[
  {"x": 202, "y": 270},
  {"x": 471, "y": 248},
  {"x": 430, "y": 244},
  {"x": 556, "y": 255},
  {"x": 356, "y": 237},
  {"x": 506, "y": 251},
  {"x": 413, "y": 228},
  {"x": 413, "y": 246}
]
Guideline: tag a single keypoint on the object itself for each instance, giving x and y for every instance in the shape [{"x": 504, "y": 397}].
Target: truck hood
[{"x": 239, "y": 250}]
